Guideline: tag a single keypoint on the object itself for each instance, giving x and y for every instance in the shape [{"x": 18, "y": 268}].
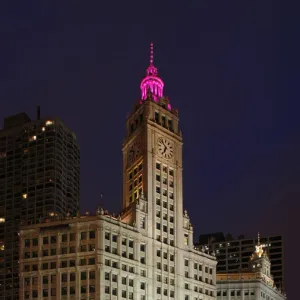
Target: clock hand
[{"x": 165, "y": 149}]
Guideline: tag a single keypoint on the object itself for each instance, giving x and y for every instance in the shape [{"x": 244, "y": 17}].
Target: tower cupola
[{"x": 152, "y": 82}]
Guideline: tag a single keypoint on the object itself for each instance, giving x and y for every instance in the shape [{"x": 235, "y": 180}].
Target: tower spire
[
  {"x": 151, "y": 54},
  {"x": 259, "y": 249}
]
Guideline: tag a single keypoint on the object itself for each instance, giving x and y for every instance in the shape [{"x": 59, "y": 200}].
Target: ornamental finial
[
  {"x": 151, "y": 54},
  {"x": 259, "y": 249}
]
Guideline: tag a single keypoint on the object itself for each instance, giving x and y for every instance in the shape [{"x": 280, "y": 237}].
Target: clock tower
[{"x": 152, "y": 165}]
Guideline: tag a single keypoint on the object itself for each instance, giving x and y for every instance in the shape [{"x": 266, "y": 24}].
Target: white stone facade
[
  {"x": 99, "y": 257},
  {"x": 245, "y": 286}
]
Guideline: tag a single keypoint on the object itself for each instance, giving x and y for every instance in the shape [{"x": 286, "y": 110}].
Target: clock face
[
  {"x": 165, "y": 148},
  {"x": 134, "y": 151}
]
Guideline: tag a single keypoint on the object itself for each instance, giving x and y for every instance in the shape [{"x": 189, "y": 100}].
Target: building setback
[
  {"x": 146, "y": 252},
  {"x": 233, "y": 254},
  {"x": 39, "y": 176}
]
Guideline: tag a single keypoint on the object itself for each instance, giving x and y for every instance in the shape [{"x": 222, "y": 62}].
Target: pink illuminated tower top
[{"x": 152, "y": 82}]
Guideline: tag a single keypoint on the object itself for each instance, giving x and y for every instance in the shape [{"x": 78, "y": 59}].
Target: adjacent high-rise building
[
  {"x": 255, "y": 283},
  {"x": 147, "y": 251},
  {"x": 233, "y": 254},
  {"x": 39, "y": 178}
]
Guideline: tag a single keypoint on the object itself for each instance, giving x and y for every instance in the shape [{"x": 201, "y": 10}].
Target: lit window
[
  {"x": 2, "y": 220},
  {"x": 24, "y": 196},
  {"x": 49, "y": 123},
  {"x": 43, "y": 128},
  {"x": 186, "y": 239}
]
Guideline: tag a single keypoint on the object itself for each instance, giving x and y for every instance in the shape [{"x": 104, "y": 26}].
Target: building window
[
  {"x": 72, "y": 237},
  {"x": 130, "y": 283},
  {"x": 158, "y": 166},
  {"x": 92, "y": 234},
  {"x": 45, "y": 292},
  {"x": 83, "y": 235},
  {"x": 186, "y": 239},
  {"x": 142, "y": 224},
  {"x": 170, "y": 124},
  {"x": 106, "y": 275},
  {"x": 163, "y": 120}
]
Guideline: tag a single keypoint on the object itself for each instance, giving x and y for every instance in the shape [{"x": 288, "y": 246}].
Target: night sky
[{"x": 230, "y": 67}]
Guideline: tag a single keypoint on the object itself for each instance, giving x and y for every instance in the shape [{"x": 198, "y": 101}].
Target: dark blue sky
[{"x": 230, "y": 67}]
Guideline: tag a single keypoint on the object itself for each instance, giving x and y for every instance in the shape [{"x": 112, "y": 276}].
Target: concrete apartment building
[
  {"x": 39, "y": 176},
  {"x": 147, "y": 251},
  {"x": 233, "y": 254}
]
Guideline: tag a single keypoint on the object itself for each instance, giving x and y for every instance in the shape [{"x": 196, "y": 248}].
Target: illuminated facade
[
  {"x": 39, "y": 175},
  {"x": 233, "y": 254},
  {"x": 147, "y": 251},
  {"x": 255, "y": 283}
]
